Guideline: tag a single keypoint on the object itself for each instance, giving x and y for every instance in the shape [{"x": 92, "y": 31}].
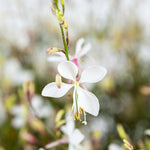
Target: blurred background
[{"x": 119, "y": 33}]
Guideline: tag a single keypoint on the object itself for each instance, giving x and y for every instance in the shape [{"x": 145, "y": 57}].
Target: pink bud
[{"x": 29, "y": 137}]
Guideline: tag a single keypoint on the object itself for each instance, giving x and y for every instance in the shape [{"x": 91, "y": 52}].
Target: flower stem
[
  {"x": 37, "y": 117},
  {"x": 64, "y": 41},
  {"x": 56, "y": 143}
]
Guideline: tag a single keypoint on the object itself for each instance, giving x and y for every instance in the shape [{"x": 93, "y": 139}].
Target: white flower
[
  {"x": 41, "y": 149},
  {"x": 114, "y": 146},
  {"x": 42, "y": 108},
  {"x": 15, "y": 73},
  {"x": 147, "y": 132},
  {"x": 74, "y": 135},
  {"x": 83, "y": 100},
  {"x": 80, "y": 51},
  {"x": 20, "y": 115}
]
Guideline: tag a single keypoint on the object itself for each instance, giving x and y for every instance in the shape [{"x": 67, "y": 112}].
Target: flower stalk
[
  {"x": 56, "y": 143},
  {"x": 62, "y": 23},
  {"x": 64, "y": 42}
]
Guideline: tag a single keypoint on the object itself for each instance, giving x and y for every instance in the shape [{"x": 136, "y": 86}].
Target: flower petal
[
  {"x": 76, "y": 137},
  {"x": 51, "y": 90},
  {"x": 79, "y": 46},
  {"x": 93, "y": 74},
  {"x": 84, "y": 50},
  {"x": 69, "y": 127},
  {"x": 81, "y": 49},
  {"x": 68, "y": 70},
  {"x": 72, "y": 147},
  {"x": 88, "y": 101},
  {"x": 57, "y": 57}
]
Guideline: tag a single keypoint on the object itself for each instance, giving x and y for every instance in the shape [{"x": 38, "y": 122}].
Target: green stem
[
  {"x": 64, "y": 41},
  {"x": 37, "y": 117}
]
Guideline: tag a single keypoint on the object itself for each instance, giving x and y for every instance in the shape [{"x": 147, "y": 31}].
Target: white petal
[
  {"x": 72, "y": 147},
  {"x": 42, "y": 108},
  {"x": 68, "y": 70},
  {"x": 88, "y": 101},
  {"x": 18, "y": 122},
  {"x": 56, "y": 59},
  {"x": 84, "y": 50},
  {"x": 41, "y": 149},
  {"x": 76, "y": 137},
  {"x": 93, "y": 74},
  {"x": 79, "y": 46},
  {"x": 69, "y": 127},
  {"x": 147, "y": 132},
  {"x": 114, "y": 146},
  {"x": 51, "y": 90}
]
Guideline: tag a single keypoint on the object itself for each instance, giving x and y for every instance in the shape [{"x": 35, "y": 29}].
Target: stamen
[
  {"x": 80, "y": 111},
  {"x": 84, "y": 122},
  {"x": 72, "y": 112},
  {"x": 77, "y": 115}
]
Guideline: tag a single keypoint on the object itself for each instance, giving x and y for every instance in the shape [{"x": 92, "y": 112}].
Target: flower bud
[
  {"x": 122, "y": 132},
  {"x": 145, "y": 90},
  {"x": 62, "y": 2},
  {"x": 127, "y": 144},
  {"x": 60, "y": 16},
  {"x": 59, "y": 115},
  {"x": 37, "y": 125},
  {"x": 58, "y": 80},
  {"x": 28, "y": 88},
  {"x": 59, "y": 121},
  {"x": 28, "y": 137},
  {"x": 52, "y": 50},
  {"x": 65, "y": 24}
]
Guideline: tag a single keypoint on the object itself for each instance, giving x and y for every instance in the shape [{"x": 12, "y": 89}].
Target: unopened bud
[
  {"x": 145, "y": 90},
  {"x": 37, "y": 125},
  {"x": 59, "y": 121},
  {"x": 62, "y": 2},
  {"x": 59, "y": 115},
  {"x": 28, "y": 88},
  {"x": 60, "y": 16},
  {"x": 28, "y": 137},
  {"x": 121, "y": 132},
  {"x": 63, "y": 5},
  {"x": 52, "y": 50},
  {"x": 58, "y": 80},
  {"x": 127, "y": 144},
  {"x": 65, "y": 24}
]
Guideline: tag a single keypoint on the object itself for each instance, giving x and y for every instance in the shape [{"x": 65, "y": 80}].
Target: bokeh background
[{"x": 119, "y": 32}]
